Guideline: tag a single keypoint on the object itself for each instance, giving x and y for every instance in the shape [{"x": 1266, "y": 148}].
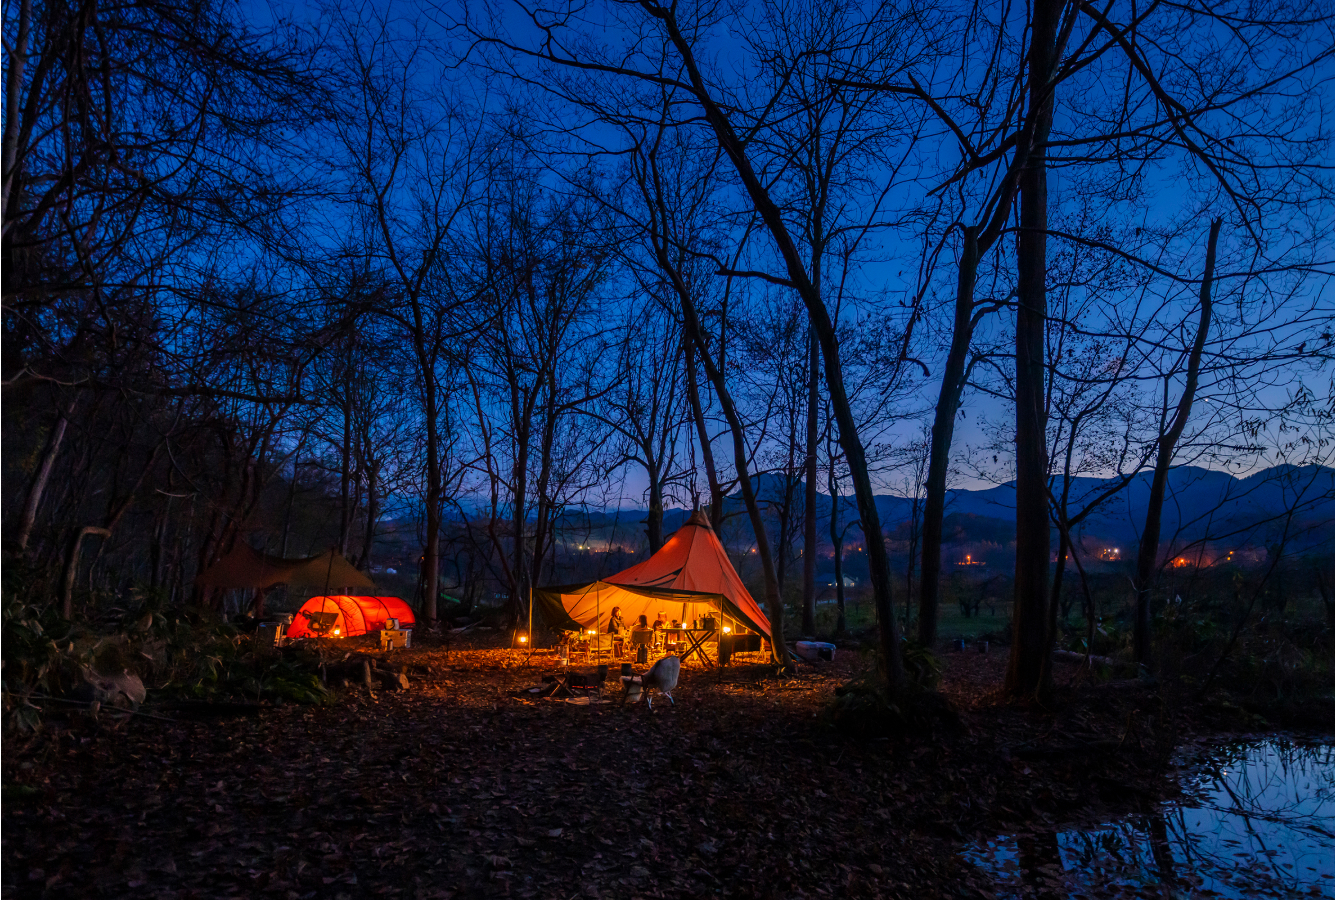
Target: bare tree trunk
[
  {"x": 372, "y": 515},
  {"x": 1148, "y": 553},
  {"x": 520, "y": 476},
  {"x": 654, "y": 521},
  {"x": 915, "y": 538},
  {"x": 943, "y": 433},
  {"x": 345, "y": 475},
  {"x": 854, "y": 452},
  {"x": 72, "y": 567},
  {"x": 773, "y": 601},
  {"x": 291, "y": 499},
  {"x": 1326, "y": 588},
  {"x": 809, "y": 511},
  {"x": 879, "y": 565},
  {"x": 158, "y": 549},
  {"x": 1058, "y": 576},
  {"x": 18, "y": 59},
  {"x": 544, "y": 526},
  {"x": 1029, "y": 646},
  {"x": 702, "y": 433},
  {"x": 786, "y": 514},
  {"x": 837, "y": 539},
  {"x": 49, "y": 454},
  {"x": 434, "y": 489}
]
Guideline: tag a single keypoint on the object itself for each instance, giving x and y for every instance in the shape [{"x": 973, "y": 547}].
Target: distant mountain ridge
[{"x": 1200, "y": 504}]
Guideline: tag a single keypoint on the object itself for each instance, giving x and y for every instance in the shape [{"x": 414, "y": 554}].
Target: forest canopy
[{"x": 491, "y": 295}]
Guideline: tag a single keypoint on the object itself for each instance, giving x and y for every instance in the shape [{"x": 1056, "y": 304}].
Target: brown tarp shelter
[
  {"x": 690, "y": 576},
  {"x": 245, "y": 567}
]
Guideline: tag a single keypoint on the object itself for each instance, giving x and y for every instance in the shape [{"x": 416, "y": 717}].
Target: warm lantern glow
[
  {"x": 523, "y": 639},
  {"x": 335, "y": 631},
  {"x": 727, "y": 629},
  {"x": 592, "y": 631}
]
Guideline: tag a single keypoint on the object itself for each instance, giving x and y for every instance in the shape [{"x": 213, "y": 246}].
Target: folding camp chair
[{"x": 600, "y": 644}]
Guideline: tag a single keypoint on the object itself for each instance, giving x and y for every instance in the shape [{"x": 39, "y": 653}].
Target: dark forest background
[{"x": 486, "y": 299}]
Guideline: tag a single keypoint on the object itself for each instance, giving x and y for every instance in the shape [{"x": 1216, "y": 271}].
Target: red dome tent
[
  {"x": 352, "y": 615},
  {"x": 692, "y": 569}
]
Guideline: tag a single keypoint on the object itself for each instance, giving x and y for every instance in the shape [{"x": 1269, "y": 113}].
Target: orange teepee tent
[{"x": 690, "y": 576}]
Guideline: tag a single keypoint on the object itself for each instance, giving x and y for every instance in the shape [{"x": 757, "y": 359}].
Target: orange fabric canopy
[
  {"x": 692, "y": 569},
  {"x": 354, "y": 615}
]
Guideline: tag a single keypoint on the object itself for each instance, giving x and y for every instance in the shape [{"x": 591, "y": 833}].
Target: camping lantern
[
  {"x": 523, "y": 638},
  {"x": 727, "y": 629}
]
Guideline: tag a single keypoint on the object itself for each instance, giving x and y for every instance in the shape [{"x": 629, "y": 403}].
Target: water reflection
[{"x": 1257, "y": 820}]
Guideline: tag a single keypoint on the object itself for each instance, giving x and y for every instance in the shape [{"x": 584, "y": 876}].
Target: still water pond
[{"x": 1255, "y": 820}]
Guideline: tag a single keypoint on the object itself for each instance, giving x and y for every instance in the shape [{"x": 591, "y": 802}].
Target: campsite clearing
[{"x": 458, "y": 788}]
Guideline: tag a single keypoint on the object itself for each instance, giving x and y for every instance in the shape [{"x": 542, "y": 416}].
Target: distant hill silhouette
[{"x": 1201, "y": 504}]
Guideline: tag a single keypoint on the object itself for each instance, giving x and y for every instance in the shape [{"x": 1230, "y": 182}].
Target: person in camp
[
  {"x": 641, "y": 636},
  {"x": 615, "y": 624}
]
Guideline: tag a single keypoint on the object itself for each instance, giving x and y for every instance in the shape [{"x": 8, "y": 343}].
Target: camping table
[
  {"x": 560, "y": 686},
  {"x": 695, "y": 639}
]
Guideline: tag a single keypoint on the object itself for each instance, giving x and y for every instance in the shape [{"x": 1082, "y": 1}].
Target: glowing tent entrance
[
  {"x": 689, "y": 577},
  {"x": 351, "y": 616}
]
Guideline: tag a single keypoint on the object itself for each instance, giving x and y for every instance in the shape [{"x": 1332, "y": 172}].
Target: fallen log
[
  {"x": 1071, "y": 656},
  {"x": 390, "y": 681},
  {"x": 1079, "y": 658}
]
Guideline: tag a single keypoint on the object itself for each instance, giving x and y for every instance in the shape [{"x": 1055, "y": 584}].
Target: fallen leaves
[{"x": 456, "y": 788}]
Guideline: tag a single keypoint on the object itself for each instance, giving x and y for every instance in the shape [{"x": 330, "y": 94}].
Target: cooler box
[{"x": 394, "y": 638}]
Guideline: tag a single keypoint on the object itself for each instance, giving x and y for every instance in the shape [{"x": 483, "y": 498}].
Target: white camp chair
[{"x": 662, "y": 678}]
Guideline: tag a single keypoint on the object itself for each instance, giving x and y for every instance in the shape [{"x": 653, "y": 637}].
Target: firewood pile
[{"x": 366, "y": 670}]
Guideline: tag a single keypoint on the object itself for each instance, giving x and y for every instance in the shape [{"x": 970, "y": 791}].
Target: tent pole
[{"x": 532, "y": 645}]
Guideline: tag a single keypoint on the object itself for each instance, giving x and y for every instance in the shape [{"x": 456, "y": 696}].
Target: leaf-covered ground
[{"x": 459, "y": 788}]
